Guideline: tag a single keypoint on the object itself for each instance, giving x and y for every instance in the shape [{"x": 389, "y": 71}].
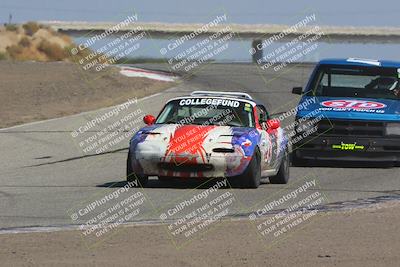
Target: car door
[
  {"x": 266, "y": 142},
  {"x": 270, "y": 139}
]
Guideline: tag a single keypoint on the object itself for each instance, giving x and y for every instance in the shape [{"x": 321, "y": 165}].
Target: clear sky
[{"x": 337, "y": 12}]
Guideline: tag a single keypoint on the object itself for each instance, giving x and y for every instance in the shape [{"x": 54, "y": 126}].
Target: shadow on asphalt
[{"x": 174, "y": 184}]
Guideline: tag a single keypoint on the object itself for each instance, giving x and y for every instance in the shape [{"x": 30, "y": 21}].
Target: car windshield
[
  {"x": 207, "y": 111},
  {"x": 354, "y": 81}
]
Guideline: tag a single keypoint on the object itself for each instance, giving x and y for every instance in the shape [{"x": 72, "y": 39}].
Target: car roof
[{"x": 360, "y": 62}]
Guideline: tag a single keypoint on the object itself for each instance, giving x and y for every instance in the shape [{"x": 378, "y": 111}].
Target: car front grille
[{"x": 350, "y": 128}]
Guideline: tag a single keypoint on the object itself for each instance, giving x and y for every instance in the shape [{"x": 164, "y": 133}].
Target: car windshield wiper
[
  {"x": 233, "y": 125},
  {"x": 196, "y": 123}
]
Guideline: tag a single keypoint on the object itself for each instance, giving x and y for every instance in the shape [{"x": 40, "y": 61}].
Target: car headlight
[{"x": 392, "y": 128}]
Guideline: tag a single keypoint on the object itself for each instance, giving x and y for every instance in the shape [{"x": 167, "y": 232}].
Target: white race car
[{"x": 210, "y": 134}]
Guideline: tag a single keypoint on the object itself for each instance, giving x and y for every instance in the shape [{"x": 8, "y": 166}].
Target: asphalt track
[{"x": 45, "y": 176}]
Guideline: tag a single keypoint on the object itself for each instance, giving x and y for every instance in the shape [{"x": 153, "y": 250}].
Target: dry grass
[
  {"x": 19, "y": 52},
  {"x": 53, "y": 51},
  {"x": 32, "y": 41},
  {"x": 14, "y": 50},
  {"x": 25, "y": 42}
]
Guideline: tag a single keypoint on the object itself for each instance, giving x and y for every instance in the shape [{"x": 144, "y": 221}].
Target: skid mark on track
[
  {"x": 77, "y": 158},
  {"x": 335, "y": 206}
]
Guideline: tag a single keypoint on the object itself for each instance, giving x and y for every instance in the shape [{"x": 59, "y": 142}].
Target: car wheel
[
  {"x": 131, "y": 176},
  {"x": 282, "y": 177},
  {"x": 251, "y": 177}
]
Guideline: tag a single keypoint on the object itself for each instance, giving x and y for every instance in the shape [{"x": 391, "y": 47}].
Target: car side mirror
[
  {"x": 297, "y": 90},
  {"x": 149, "y": 119},
  {"x": 273, "y": 124}
]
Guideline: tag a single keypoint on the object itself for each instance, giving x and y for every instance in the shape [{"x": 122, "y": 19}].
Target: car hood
[
  {"x": 350, "y": 108},
  {"x": 174, "y": 139}
]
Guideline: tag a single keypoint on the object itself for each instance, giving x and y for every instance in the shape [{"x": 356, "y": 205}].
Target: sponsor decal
[
  {"x": 209, "y": 101},
  {"x": 186, "y": 143},
  {"x": 343, "y": 146},
  {"x": 246, "y": 143},
  {"x": 353, "y": 104}
]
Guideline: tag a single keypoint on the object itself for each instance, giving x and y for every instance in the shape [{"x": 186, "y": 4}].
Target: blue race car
[
  {"x": 210, "y": 134},
  {"x": 349, "y": 110}
]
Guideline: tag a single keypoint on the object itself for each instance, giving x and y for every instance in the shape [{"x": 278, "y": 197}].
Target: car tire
[
  {"x": 251, "y": 178},
  {"x": 282, "y": 177},
  {"x": 131, "y": 176}
]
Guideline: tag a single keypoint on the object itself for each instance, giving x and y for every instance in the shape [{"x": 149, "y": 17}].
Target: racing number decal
[
  {"x": 268, "y": 139},
  {"x": 273, "y": 135},
  {"x": 267, "y": 147},
  {"x": 265, "y": 141}
]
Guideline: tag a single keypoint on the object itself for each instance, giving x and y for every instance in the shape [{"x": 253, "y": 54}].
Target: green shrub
[
  {"x": 31, "y": 27},
  {"x": 11, "y": 27},
  {"x": 3, "y": 56}
]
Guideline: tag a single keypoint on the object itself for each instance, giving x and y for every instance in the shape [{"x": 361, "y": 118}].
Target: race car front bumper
[
  {"x": 348, "y": 148},
  {"x": 212, "y": 166}
]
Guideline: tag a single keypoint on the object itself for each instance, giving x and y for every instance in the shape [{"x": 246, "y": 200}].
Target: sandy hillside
[{"x": 32, "y": 91}]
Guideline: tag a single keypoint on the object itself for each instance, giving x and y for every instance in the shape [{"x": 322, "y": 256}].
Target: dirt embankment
[{"x": 31, "y": 91}]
